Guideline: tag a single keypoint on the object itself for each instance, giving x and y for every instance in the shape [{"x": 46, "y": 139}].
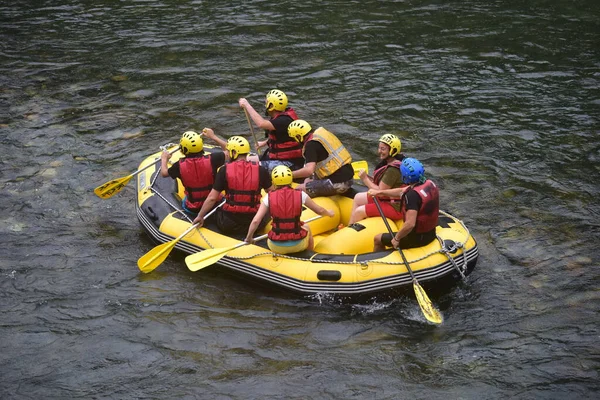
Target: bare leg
[
  {"x": 311, "y": 241},
  {"x": 358, "y": 208},
  {"x": 359, "y": 214},
  {"x": 360, "y": 199},
  {"x": 377, "y": 245}
]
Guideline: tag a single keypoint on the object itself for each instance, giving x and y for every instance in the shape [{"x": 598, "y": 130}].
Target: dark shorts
[
  {"x": 237, "y": 223},
  {"x": 324, "y": 187},
  {"x": 409, "y": 241}
]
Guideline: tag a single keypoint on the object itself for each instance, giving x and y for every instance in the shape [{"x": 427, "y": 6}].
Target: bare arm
[
  {"x": 394, "y": 192},
  {"x": 209, "y": 133},
  {"x": 258, "y": 120},
  {"x": 310, "y": 203},
  {"x": 368, "y": 181},
  {"x": 260, "y": 214},
  {"x": 164, "y": 167},
  {"x": 206, "y": 207},
  {"x": 305, "y": 171}
]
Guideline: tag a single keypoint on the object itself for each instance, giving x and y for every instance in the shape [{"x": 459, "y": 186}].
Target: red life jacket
[
  {"x": 243, "y": 187},
  {"x": 427, "y": 217},
  {"x": 378, "y": 174},
  {"x": 287, "y": 149},
  {"x": 197, "y": 178},
  {"x": 285, "y": 205}
]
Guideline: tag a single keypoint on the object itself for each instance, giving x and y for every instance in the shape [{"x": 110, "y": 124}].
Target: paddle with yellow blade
[
  {"x": 109, "y": 189},
  {"x": 430, "y": 312},
  {"x": 358, "y": 165},
  {"x": 208, "y": 257},
  {"x": 152, "y": 259}
]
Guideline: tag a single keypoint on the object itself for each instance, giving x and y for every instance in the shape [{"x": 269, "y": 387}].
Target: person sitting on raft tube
[
  {"x": 420, "y": 207},
  {"x": 325, "y": 157},
  {"x": 242, "y": 181},
  {"x": 387, "y": 175},
  {"x": 282, "y": 150},
  {"x": 287, "y": 234},
  {"x": 196, "y": 170}
]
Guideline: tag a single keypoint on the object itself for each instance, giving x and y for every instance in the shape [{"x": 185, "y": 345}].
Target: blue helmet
[{"x": 412, "y": 171}]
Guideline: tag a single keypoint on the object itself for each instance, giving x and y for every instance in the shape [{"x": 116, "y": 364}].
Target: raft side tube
[{"x": 354, "y": 239}]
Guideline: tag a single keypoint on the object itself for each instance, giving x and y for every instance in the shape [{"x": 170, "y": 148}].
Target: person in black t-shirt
[
  {"x": 282, "y": 150},
  {"x": 420, "y": 206},
  {"x": 242, "y": 181},
  {"x": 196, "y": 170}
]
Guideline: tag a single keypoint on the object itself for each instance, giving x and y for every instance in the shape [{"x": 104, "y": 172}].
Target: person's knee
[
  {"x": 358, "y": 214},
  {"x": 377, "y": 240},
  {"x": 361, "y": 199}
]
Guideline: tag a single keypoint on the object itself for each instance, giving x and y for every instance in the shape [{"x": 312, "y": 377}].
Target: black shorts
[
  {"x": 409, "y": 241},
  {"x": 237, "y": 223}
]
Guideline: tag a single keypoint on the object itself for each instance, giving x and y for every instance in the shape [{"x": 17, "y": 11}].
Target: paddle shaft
[
  {"x": 151, "y": 164},
  {"x": 188, "y": 230},
  {"x": 110, "y": 188},
  {"x": 389, "y": 228},
  {"x": 427, "y": 308},
  {"x": 152, "y": 259},
  {"x": 252, "y": 131}
]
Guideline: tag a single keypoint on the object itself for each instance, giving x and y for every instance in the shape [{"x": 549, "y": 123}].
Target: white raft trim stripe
[{"x": 394, "y": 281}]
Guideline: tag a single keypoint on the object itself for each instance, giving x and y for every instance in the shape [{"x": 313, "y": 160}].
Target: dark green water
[{"x": 499, "y": 99}]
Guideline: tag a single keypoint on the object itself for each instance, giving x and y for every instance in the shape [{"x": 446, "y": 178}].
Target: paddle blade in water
[
  {"x": 109, "y": 189},
  {"x": 430, "y": 312},
  {"x": 152, "y": 259}
]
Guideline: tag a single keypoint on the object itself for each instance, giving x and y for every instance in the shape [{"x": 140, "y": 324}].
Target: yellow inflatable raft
[{"x": 343, "y": 261}]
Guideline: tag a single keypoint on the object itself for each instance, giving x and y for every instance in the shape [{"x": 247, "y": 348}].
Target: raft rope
[
  {"x": 461, "y": 270},
  {"x": 443, "y": 250},
  {"x": 457, "y": 245}
]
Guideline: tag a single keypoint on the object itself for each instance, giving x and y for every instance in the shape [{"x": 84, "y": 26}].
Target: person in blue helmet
[{"x": 420, "y": 208}]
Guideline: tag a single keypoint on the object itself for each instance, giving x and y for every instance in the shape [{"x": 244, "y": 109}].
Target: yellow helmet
[
  {"x": 298, "y": 129},
  {"x": 393, "y": 142},
  {"x": 191, "y": 142},
  {"x": 276, "y": 100},
  {"x": 281, "y": 175},
  {"x": 238, "y": 144}
]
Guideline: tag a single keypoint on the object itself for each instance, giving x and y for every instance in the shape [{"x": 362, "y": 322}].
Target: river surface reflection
[{"x": 499, "y": 100}]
